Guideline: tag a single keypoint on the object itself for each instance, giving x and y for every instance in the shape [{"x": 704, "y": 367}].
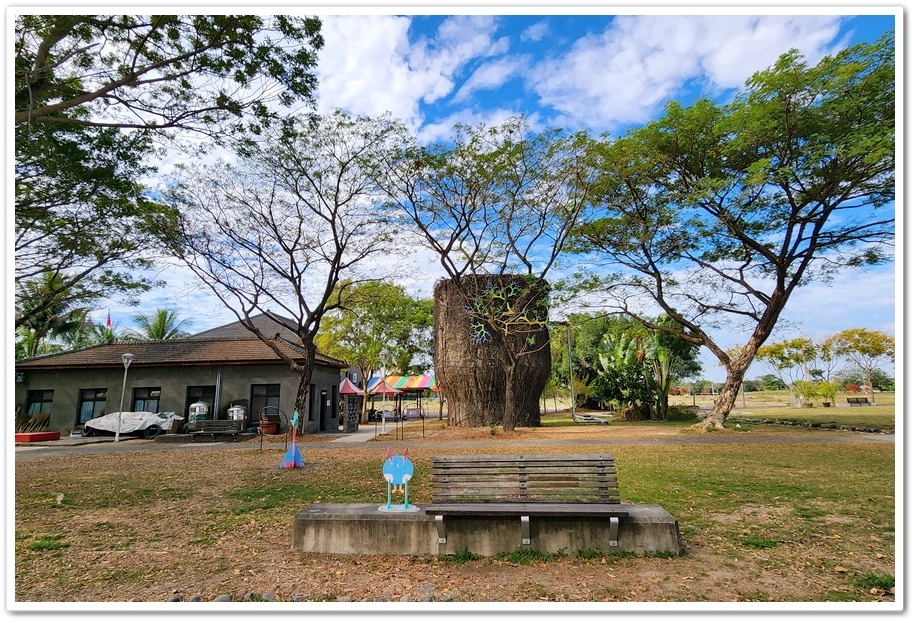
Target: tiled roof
[
  {"x": 223, "y": 346},
  {"x": 268, "y": 325}
]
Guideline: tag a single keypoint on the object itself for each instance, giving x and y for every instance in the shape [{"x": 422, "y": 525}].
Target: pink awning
[{"x": 347, "y": 388}]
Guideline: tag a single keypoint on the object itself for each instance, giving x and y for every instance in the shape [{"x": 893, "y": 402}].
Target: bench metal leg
[
  {"x": 440, "y": 529},
  {"x": 615, "y": 527},
  {"x": 526, "y": 531}
]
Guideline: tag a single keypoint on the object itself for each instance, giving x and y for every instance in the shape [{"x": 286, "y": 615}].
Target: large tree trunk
[
  {"x": 734, "y": 379},
  {"x": 302, "y": 389},
  {"x": 490, "y": 378}
]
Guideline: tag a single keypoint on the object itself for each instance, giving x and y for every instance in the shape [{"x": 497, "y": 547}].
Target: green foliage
[
  {"x": 771, "y": 382},
  {"x": 48, "y": 310},
  {"x": 640, "y": 363},
  {"x": 720, "y": 212},
  {"x": 48, "y": 543},
  {"x": 526, "y": 556},
  {"x": 377, "y": 325},
  {"x": 866, "y": 349},
  {"x": 81, "y": 80},
  {"x": 868, "y": 581},
  {"x": 212, "y": 74},
  {"x": 462, "y": 557},
  {"x": 162, "y": 324}
]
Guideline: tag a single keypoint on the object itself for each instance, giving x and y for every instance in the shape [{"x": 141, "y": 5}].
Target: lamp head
[{"x": 127, "y": 358}]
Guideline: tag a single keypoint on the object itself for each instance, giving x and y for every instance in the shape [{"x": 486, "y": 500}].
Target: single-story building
[{"x": 219, "y": 367}]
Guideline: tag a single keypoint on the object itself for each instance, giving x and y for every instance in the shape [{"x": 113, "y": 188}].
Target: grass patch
[
  {"x": 759, "y": 542},
  {"x": 882, "y": 581},
  {"x": 47, "y": 543},
  {"x": 526, "y": 556},
  {"x": 207, "y": 531},
  {"x": 459, "y": 558}
]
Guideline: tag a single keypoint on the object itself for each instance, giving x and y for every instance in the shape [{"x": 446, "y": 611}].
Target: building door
[
  {"x": 323, "y": 410},
  {"x": 200, "y": 393},
  {"x": 263, "y": 396}
]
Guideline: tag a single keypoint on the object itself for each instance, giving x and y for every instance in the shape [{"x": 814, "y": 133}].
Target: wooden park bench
[
  {"x": 858, "y": 400},
  {"x": 216, "y": 426},
  {"x": 543, "y": 485}
]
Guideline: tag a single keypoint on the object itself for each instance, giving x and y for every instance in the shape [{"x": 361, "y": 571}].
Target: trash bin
[{"x": 198, "y": 411}]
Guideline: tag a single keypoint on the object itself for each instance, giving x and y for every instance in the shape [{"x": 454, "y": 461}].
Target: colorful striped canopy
[{"x": 408, "y": 383}]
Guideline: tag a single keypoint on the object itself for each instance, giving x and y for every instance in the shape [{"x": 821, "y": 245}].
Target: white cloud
[
  {"x": 369, "y": 66},
  {"x": 536, "y": 32},
  {"x": 491, "y": 75},
  {"x": 626, "y": 73}
]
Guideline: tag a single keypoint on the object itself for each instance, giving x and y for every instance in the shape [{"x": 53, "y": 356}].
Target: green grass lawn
[
  {"x": 778, "y": 406},
  {"x": 781, "y": 520}
]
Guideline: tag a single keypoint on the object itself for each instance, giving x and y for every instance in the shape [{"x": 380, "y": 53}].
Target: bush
[{"x": 682, "y": 413}]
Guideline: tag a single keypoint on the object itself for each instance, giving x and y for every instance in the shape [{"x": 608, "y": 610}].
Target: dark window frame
[
  {"x": 100, "y": 396},
  {"x": 135, "y": 396},
  {"x": 45, "y": 402}
]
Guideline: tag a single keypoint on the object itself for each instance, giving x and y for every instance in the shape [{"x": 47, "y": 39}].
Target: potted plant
[
  {"x": 827, "y": 391},
  {"x": 268, "y": 426}
]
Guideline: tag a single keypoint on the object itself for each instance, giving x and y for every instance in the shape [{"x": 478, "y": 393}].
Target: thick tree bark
[
  {"x": 734, "y": 378},
  {"x": 490, "y": 378},
  {"x": 302, "y": 389}
]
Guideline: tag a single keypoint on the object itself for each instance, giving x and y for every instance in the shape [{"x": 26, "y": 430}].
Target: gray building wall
[{"x": 235, "y": 384}]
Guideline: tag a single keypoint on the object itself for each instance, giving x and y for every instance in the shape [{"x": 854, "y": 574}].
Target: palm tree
[
  {"x": 56, "y": 319},
  {"x": 92, "y": 334},
  {"x": 163, "y": 324}
]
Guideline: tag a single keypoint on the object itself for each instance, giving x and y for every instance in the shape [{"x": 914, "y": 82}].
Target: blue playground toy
[
  {"x": 398, "y": 470},
  {"x": 293, "y": 458}
]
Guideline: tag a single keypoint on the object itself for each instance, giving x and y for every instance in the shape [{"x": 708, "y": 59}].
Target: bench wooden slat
[
  {"x": 584, "y": 478},
  {"x": 495, "y": 509},
  {"x": 212, "y": 426}
]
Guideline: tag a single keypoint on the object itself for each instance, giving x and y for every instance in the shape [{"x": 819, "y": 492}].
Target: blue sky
[{"x": 585, "y": 69}]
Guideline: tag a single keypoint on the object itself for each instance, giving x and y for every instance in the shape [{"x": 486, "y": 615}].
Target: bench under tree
[{"x": 537, "y": 485}]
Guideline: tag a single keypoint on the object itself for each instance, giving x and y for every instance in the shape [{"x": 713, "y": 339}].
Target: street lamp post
[{"x": 126, "y": 358}]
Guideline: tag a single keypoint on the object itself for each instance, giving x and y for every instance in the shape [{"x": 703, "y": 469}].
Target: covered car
[{"x": 144, "y": 423}]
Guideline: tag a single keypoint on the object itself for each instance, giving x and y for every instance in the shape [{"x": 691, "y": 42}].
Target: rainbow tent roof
[{"x": 407, "y": 383}]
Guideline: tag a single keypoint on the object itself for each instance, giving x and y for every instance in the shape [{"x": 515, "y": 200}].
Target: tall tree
[
  {"x": 61, "y": 316},
  {"x": 718, "y": 213},
  {"x": 81, "y": 216},
  {"x": 280, "y": 232},
  {"x": 494, "y": 204},
  {"x": 377, "y": 323},
  {"x": 214, "y": 75},
  {"x": 790, "y": 361},
  {"x": 162, "y": 324},
  {"x": 866, "y": 348},
  {"x": 95, "y": 95}
]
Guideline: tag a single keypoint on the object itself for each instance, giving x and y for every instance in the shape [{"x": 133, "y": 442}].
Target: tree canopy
[
  {"x": 491, "y": 203},
  {"x": 95, "y": 95},
  {"x": 378, "y": 325},
  {"x": 718, "y": 213},
  {"x": 282, "y": 231},
  {"x": 211, "y": 74}
]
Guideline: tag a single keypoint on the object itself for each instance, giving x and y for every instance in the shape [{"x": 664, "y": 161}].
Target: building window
[
  {"x": 263, "y": 396},
  {"x": 92, "y": 404},
  {"x": 200, "y": 393},
  {"x": 147, "y": 399},
  {"x": 39, "y": 401}
]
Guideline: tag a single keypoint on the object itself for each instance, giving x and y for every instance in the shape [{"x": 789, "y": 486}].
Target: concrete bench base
[{"x": 364, "y": 529}]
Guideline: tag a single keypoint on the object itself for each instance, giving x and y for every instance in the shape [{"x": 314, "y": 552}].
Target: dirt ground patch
[{"x": 179, "y": 525}]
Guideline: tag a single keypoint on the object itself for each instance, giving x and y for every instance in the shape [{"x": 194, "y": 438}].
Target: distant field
[{"x": 774, "y": 405}]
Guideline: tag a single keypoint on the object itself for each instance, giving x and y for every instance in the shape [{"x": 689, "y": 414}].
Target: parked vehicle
[{"x": 137, "y": 423}]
